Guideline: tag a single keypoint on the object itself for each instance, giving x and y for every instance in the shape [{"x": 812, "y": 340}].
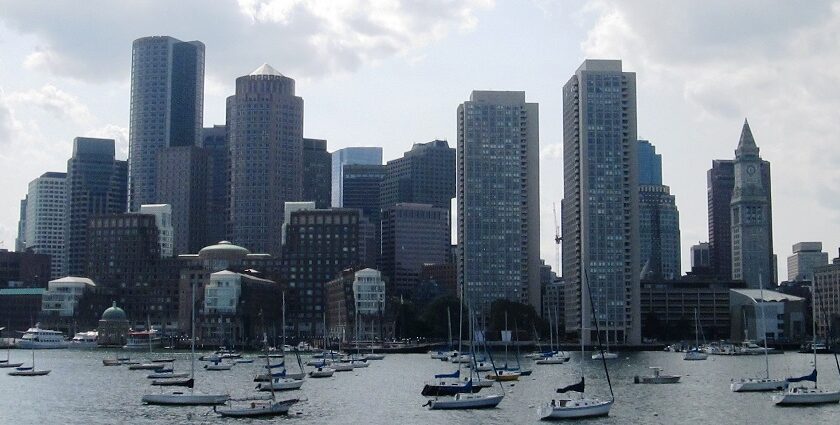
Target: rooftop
[
  {"x": 266, "y": 69},
  {"x": 767, "y": 296}
]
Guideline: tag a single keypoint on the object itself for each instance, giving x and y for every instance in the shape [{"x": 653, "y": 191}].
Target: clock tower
[{"x": 752, "y": 231}]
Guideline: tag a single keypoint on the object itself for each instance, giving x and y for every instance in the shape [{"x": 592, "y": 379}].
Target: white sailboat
[
  {"x": 695, "y": 353},
  {"x": 180, "y": 398},
  {"x": 798, "y": 395},
  {"x": 552, "y": 356},
  {"x": 759, "y": 384},
  {"x": 582, "y": 406},
  {"x": 29, "y": 371}
]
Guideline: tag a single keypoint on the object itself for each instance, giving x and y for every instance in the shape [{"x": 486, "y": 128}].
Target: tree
[{"x": 523, "y": 315}]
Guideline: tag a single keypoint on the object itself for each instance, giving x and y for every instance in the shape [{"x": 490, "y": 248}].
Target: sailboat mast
[
  {"x": 283, "y": 348},
  {"x": 814, "y": 326},
  {"x": 449, "y": 327},
  {"x": 192, "y": 331},
  {"x": 506, "y": 343}
]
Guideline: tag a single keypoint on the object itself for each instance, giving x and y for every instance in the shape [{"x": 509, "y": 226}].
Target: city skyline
[{"x": 46, "y": 106}]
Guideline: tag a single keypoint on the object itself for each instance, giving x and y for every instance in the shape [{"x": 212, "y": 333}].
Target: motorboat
[
  {"x": 756, "y": 385},
  {"x": 179, "y": 398},
  {"x": 375, "y": 356},
  {"x": 695, "y": 355},
  {"x": 257, "y": 409},
  {"x": 800, "y": 396},
  {"x": 39, "y": 339},
  {"x": 359, "y": 363},
  {"x": 142, "y": 340},
  {"x": 604, "y": 355},
  {"x": 657, "y": 378},
  {"x": 281, "y": 384},
  {"x": 465, "y": 401},
  {"x": 84, "y": 339},
  {"x": 584, "y": 407}
]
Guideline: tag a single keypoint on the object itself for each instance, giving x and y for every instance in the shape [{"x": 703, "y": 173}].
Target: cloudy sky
[{"x": 392, "y": 72}]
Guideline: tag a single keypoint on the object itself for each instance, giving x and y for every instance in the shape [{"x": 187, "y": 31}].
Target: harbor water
[{"x": 79, "y": 390}]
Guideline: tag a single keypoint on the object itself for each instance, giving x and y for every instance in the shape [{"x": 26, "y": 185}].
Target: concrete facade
[{"x": 45, "y": 220}]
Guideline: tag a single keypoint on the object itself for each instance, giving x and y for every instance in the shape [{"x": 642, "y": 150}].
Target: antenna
[{"x": 557, "y": 239}]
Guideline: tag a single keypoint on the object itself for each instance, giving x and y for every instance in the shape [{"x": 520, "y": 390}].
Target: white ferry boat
[
  {"x": 84, "y": 339},
  {"x": 142, "y": 340},
  {"x": 37, "y": 338}
]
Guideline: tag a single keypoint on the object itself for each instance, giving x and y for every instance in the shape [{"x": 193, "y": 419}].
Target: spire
[
  {"x": 746, "y": 145},
  {"x": 266, "y": 69}
]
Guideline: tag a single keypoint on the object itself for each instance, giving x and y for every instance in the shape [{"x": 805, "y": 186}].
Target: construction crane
[{"x": 557, "y": 239}]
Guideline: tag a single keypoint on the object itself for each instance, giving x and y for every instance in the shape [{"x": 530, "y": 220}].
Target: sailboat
[
  {"x": 451, "y": 383},
  {"x": 467, "y": 399},
  {"x": 552, "y": 356},
  {"x": 445, "y": 355},
  {"x": 28, "y": 371},
  {"x": 602, "y": 354},
  {"x": 800, "y": 395},
  {"x": 583, "y": 406},
  {"x": 7, "y": 363},
  {"x": 504, "y": 373},
  {"x": 759, "y": 384},
  {"x": 695, "y": 353},
  {"x": 179, "y": 398}
]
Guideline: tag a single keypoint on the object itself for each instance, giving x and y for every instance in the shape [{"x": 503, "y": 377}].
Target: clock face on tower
[{"x": 751, "y": 169}]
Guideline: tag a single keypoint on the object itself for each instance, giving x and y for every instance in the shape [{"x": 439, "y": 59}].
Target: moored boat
[
  {"x": 657, "y": 378},
  {"x": 40, "y": 339}
]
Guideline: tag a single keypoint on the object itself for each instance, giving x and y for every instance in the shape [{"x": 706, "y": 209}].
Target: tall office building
[
  {"x": 806, "y": 257},
  {"x": 752, "y": 216},
  {"x": 265, "y": 130},
  {"x": 163, "y": 221},
  {"x": 317, "y": 173},
  {"x": 700, "y": 256},
  {"x": 45, "y": 219},
  {"x": 214, "y": 140},
  {"x": 96, "y": 184},
  {"x": 659, "y": 219},
  {"x": 347, "y": 156},
  {"x": 20, "y": 239},
  {"x": 167, "y": 103},
  {"x": 424, "y": 175},
  {"x": 182, "y": 183},
  {"x": 412, "y": 235},
  {"x": 498, "y": 199},
  {"x": 601, "y": 202},
  {"x": 360, "y": 189}
]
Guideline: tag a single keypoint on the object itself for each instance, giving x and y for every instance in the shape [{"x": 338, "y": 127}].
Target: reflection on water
[{"x": 82, "y": 391}]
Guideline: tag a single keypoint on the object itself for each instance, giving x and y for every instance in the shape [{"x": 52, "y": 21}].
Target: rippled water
[{"x": 82, "y": 391}]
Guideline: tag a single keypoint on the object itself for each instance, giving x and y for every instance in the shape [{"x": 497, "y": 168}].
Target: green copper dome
[{"x": 114, "y": 313}]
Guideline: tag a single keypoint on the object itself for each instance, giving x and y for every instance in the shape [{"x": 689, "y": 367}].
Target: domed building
[{"x": 113, "y": 327}]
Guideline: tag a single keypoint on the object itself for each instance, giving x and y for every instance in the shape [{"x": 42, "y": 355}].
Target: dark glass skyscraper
[
  {"x": 659, "y": 219},
  {"x": 96, "y": 184},
  {"x": 167, "y": 103},
  {"x": 214, "y": 140},
  {"x": 360, "y": 188},
  {"x": 265, "y": 127},
  {"x": 498, "y": 199},
  {"x": 650, "y": 164},
  {"x": 424, "y": 175},
  {"x": 317, "y": 173},
  {"x": 346, "y": 156},
  {"x": 600, "y": 205},
  {"x": 182, "y": 182}
]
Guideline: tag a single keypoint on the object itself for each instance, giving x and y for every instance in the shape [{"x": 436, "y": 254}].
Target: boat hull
[
  {"x": 571, "y": 409},
  {"x": 466, "y": 401},
  {"x": 29, "y": 373},
  {"x": 182, "y": 399},
  {"x": 271, "y": 409},
  {"x": 38, "y": 345},
  {"x": 282, "y": 385},
  {"x": 321, "y": 373},
  {"x": 806, "y": 397},
  {"x": 7, "y": 365},
  {"x": 167, "y": 375},
  {"x": 756, "y": 385}
]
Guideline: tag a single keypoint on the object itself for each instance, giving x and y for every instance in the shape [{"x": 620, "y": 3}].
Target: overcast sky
[{"x": 392, "y": 72}]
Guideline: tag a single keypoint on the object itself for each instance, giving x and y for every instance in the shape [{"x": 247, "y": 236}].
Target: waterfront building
[
  {"x": 782, "y": 321},
  {"x": 96, "y": 184},
  {"x": 167, "y": 106},
  {"x": 113, "y": 327},
  {"x": 600, "y": 207},
  {"x": 182, "y": 183},
  {"x": 24, "y": 269},
  {"x": 124, "y": 261},
  {"x": 498, "y": 199},
  {"x": 659, "y": 218},
  {"x": 348, "y": 156},
  {"x": 163, "y": 221},
  {"x": 19, "y": 308},
  {"x": 369, "y": 293},
  {"x": 340, "y": 308},
  {"x": 319, "y": 244},
  {"x": 62, "y": 297},
  {"x": 265, "y": 127},
  {"x": 214, "y": 140},
  {"x": 826, "y": 299},
  {"x": 412, "y": 235},
  {"x": 44, "y": 219},
  {"x": 317, "y": 173},
  {"x": 806, "y": 257},
  {"x": 752, "y": 220}
]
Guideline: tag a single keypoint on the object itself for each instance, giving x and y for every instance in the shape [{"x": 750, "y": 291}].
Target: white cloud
[
  {"x": 7, "y": 122},
  {"x": 112, "y": 131},
  {"x": 551, "y": 151},
  {"x": 55, "y": 101}
]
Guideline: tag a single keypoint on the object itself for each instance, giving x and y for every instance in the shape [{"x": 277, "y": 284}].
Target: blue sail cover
[
  {"x": 810, "y": 377},
  {"x": 579, "y": 387},
  {"x": 272, "y": 366},
  {"x": 455, "y": 374}
]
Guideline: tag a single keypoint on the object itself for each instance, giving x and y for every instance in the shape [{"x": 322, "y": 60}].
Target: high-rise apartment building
[
  {"x": 317, "y": 173},
  {"x": 265, "y": 127},
  {"x": 752, "y": 216},
  {"x": 600, "y": 207},
  {"x": 182, "y": 183},
  {"x": 167, "y": 103},
  {"x": 412, "y": 235},
  {"x": 214, "y": 140},
  {"x": 45, "y": 219},
  {"x": 498, "y": 199},
  {"x": 347, "y": 156},
  {"x": 659, "y": 219},
  {"x": 806, "y": 257},
  {"x": 96, "y": 184}
]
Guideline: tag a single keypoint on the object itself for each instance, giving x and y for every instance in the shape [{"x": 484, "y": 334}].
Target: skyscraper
[
  {"x": 601, "y": 202},
  {"x": 317, "y": 173},
  {"x": 163, "y": 221},
  {"x": 96, "y": 184},
  {"x": 720, "y": 180},
  {"x": 346, "y": 156},
  {"x": 45, "y": 219},
  {"x": 424, "y": 175},
  {"x": 360, "y": 189},
  {"x": 167, "y": 103},
  {"x": 498, "y": 199},
  {"x": 20, "y": 239},
  {"x": 265, "y": 121},
  {"x": 806, "y": 257},
  {"x": 214, "y": 140},
  {"x": 659, "y": 219},
  {"x": 182, "y": 183},
  {"x": 752, "y": 217}
]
